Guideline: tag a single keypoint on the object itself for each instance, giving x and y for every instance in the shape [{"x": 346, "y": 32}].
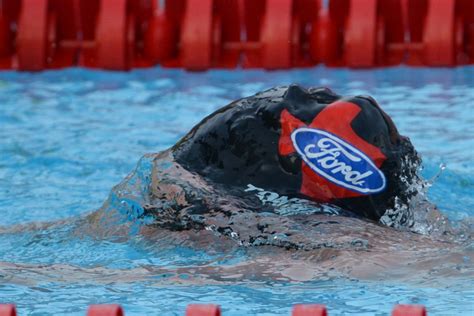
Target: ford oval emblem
[{"x": 338, "y": 161}]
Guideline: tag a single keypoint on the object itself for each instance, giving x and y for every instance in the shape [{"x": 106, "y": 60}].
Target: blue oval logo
[{"x": 338, "y": 161}]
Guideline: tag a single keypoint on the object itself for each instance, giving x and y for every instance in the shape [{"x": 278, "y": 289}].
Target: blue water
[{"x": 67, "y": 137}]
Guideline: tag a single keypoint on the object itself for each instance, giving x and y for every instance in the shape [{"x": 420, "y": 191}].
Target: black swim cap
[{"x": 310, "y": 143}]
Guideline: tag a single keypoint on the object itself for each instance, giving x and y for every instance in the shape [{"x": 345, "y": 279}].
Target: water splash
[
  {"x": 434, "y": 178},
  {"x": 418, "y": 214}
]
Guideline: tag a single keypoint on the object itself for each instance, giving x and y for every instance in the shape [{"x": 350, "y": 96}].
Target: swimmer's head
[{"x": 305, "y": 143}]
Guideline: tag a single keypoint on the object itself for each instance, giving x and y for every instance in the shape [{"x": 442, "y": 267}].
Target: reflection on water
[{"x": 67, "y": 137}]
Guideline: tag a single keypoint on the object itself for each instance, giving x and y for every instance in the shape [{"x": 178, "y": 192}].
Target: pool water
[{"x": 67, "y": 137}]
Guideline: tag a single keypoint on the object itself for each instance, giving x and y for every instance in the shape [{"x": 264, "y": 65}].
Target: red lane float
[
  {"x": 7, "y": 310},
  {"x": 203, "y": 310},
  {"x": 209, "y": 28},
  {"x": 9, "y": 12},
  {"x": 197, "y": 36},
  {"x": 360, "y": 41},
  {"x": 46, "y": 34},
  {"x": 364, "y": 41},
  {"x": 159, "y": 39},
  {"x": 446, "y": 38},
  {"x": 278, "y": 33},
  {"x": 105, "y": 310},
  {"x": 204, "y": 34},
  {"x": 115, "y": 41},
  {"x": 33, "y": 35},
  {"x": 359, "y": 33},
  {"x": 114, "y": 27},
  {"x": 309, "y": 310},
  {"x": 409, "y": 310}
]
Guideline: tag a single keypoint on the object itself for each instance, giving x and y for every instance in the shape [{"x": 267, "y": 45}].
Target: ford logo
[{"x": 337, "y": 161}]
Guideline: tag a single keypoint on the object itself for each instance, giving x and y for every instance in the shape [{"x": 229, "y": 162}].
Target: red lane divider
[
  {"x": 203, "y": 310},
  {"x": 203, "y": 34},
  {"x": 104, "y": 310},
  {"x": 214, "y": 310},
  {"x": 409, "y": 310},
  {"x": 7, "y": 310},
  {"x": 309, "y": 310}
]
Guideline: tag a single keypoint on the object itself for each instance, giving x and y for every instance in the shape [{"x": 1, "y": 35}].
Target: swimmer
[
  {"x": 285, "y": 170},
  {"x": 267, "y": 169}
]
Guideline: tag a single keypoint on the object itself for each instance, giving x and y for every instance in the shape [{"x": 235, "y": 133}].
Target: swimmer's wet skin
[{"x": 269, "y": 169}]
